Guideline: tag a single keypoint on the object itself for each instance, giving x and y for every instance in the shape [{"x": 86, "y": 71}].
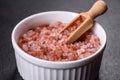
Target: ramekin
[{"x": 31, "y": 68}]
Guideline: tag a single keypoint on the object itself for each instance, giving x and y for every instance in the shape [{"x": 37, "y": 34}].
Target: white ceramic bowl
[{"x": 31, "y": 68}]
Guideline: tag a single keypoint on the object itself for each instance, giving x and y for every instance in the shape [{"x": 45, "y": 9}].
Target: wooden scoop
[{"x": 86, "y": 20}]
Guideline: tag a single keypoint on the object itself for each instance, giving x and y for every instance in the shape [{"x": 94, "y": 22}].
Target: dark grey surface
[{"x": 12, "y": 11}]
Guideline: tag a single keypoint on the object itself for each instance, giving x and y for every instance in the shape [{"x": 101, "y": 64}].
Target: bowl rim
[{"x": 46, "y": 63}]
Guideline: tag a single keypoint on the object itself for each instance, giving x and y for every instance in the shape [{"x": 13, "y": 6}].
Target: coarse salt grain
[
  {"x": 79, "y": 51},
  {"x": 25, "y": 47}
]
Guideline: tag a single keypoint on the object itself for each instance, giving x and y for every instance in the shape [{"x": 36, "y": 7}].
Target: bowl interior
[{"x": 48, "y": 18}]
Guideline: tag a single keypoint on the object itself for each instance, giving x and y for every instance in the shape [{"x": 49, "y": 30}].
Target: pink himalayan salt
[{"x": 44, "y": 42}]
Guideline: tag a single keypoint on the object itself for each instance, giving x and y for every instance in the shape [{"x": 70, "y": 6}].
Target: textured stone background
[{"x": 12, "y": 11}]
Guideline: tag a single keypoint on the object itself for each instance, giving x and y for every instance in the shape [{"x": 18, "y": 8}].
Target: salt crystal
[
  {"x": 60, "y": 36},
  {"x": 30, "y": 33},
  {"x": 52, "y": 47},
  {"x": 88, "y": 45},
  {"x": 79, "y": 51},
  {"x": 82, "y": 50},
  {"x": 84, "y": 46},
  {"x": 35, "y": 47},
  {"x": 52, "y": 34},
  {"x": 30, "y": 42},
  {"x": 81, "y": 56},
  {"x": 25, "y": 47},
  {"x": 60, "y": 41}
]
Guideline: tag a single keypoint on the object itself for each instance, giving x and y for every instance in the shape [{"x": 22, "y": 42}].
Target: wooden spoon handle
[{"x": 97, "y": 9}]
